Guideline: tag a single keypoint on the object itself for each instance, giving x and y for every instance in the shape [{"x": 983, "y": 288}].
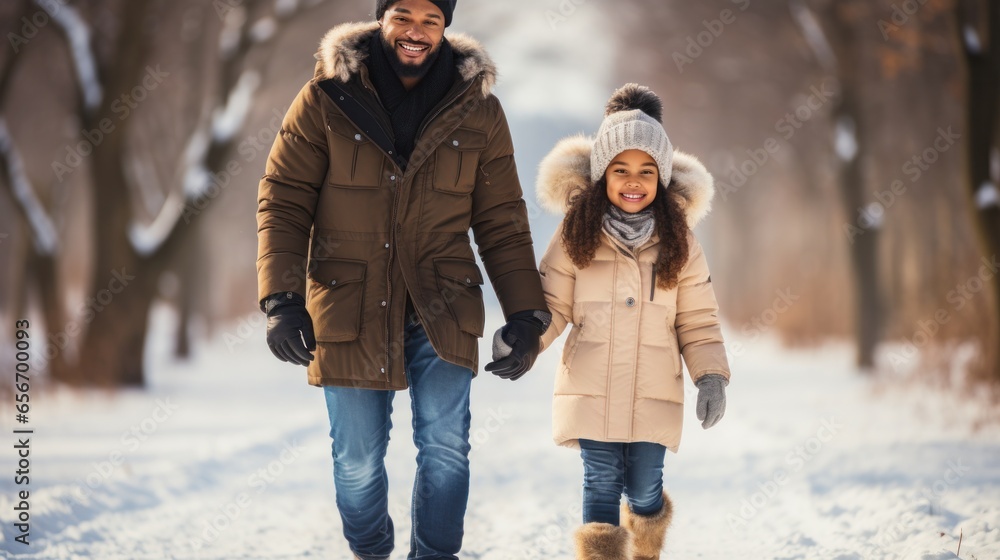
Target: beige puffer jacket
[{"x": 620, "y": 377}]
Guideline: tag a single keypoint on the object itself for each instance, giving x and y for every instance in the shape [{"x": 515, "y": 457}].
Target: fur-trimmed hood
[
  {"x": 565, "y": 173},
  {"x": 341, "y": 55}
]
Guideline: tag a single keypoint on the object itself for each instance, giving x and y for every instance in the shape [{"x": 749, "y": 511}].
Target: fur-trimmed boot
[
  {"x": 648, "y": 531},
  {"x": 602, "y": 541}
]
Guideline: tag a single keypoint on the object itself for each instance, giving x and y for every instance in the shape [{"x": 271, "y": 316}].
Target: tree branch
[
  {"x": 211, "y": 141},
  {"x": 77, "y": 35},
  {"x": 12, "y": 166}
]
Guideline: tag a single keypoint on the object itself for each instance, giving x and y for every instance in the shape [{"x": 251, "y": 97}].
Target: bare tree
[
  {"x": 833, "y": 32},
  {"x": 978, "y": 25},
  {"x": 130, "y": 257}
]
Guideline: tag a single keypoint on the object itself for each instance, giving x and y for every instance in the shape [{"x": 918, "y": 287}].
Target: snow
[
  {"x": 43, "y": 230},
  {"x": 972, "y": 41},
  {"x": 196, "y": 177},
  {"x": 231, "y": 455},
  {"x": 147, "y": 239},
  {"x": 143, "y": 177},
  {"x": 228, "y": 121},
  {"x": 78, "y": 35},
  {"x": 987, "y": 196},
  {"x": 813, "y": 32},
  {"x": 846, "y": 139},
  {"x": 232, "y": 29},
  {"x": 285, "y": 8},
  {"x": 263, "y": 29}
]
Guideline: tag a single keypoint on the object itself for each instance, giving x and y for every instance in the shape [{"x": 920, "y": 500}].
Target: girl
[{"x": 626, "y": 271}]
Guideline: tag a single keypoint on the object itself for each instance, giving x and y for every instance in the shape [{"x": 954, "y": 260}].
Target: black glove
[
  {"x": 516, "y": 344},
  {"x": 289, "y": 328}
]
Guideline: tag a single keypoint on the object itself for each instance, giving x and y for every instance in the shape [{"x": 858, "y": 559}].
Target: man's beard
[{"x": 409, "y": 70}]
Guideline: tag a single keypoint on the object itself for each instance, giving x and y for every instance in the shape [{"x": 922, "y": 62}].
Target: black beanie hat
[{"x": 447, "y": 6}]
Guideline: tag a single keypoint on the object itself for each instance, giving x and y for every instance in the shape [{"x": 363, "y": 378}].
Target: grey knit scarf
[{"x": 631, "y": 229}]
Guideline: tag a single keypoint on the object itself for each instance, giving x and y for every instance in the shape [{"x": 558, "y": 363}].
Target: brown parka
[
  {"x": 345, "y": 223},
  {"x": 620, "y": 377}
]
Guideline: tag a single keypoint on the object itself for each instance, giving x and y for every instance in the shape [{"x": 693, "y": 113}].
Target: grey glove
[{"x": 711, "y": 399}]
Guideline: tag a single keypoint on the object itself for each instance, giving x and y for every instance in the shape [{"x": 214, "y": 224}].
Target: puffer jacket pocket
[
  {"x": 335, "y": 298},
  {"x": 572, "y": 343},
  {"x": 355, "y": 161},
  {"x": 460, "y": 283},
  {"x": 457, "y": 161}
]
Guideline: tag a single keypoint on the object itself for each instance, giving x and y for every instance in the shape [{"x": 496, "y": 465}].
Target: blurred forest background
[{"x": 855, "y": 145}]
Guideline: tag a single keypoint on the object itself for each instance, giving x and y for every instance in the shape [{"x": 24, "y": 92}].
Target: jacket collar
[
  {"x": 342, "y": 54},
  {"x": 565, "y": 172}
]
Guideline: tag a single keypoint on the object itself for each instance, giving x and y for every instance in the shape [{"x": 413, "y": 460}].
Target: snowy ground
[{"x": 229, "y": 459}]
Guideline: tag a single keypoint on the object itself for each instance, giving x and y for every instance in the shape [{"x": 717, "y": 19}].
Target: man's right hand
[
  {"x": 290, "y": 332},
  {"x": 516, "y": 344}
]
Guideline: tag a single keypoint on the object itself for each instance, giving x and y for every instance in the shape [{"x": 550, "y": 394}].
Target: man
[{"x": 386, "y": 159}]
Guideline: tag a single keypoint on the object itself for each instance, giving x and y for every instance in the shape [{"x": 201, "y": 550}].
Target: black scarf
[{"x": 408, "y": 109}]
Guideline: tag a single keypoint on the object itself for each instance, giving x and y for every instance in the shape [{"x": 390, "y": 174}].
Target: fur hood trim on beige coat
[{"x": 565, "y": 173}]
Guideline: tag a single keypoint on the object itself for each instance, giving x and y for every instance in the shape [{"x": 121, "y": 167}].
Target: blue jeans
[
  {"x": 360, "y": 421},
  {"x": 609, "y": 469}
]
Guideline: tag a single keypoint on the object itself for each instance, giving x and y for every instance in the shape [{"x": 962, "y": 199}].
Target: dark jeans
[
  {"x": 609, "y": 469},
  {"x": 360, "y": 421}
]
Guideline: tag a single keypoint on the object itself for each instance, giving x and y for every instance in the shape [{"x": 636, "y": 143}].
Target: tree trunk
[
  {"x": 46, "y": 281},
  {"x": 864, "y": 246},
  {"x": 846, "y": 39},
  {"x": 983, "y": 122},
  {"x": 123, "y": 285}
]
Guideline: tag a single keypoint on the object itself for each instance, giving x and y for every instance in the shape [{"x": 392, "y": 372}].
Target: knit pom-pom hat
[
  {"x": 447, "y": 6},
  {"x": 632, "y": 121}
]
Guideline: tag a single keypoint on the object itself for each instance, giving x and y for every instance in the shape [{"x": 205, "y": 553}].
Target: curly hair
[{"x": 585, "y": 219}]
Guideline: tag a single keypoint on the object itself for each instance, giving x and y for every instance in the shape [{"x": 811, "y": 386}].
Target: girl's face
[{"x": 632, "y": 178}]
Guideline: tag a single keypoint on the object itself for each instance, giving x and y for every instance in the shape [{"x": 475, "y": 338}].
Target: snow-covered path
[{"x": 229, "y": 459}]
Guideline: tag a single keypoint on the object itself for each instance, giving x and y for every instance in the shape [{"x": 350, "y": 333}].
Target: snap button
[
  {"x": 383, "y": 304},
  {"x": 630, "y": 302},
  {"x": 393, "y": 178},
  {"x": 386, "y": 245},
  {"x": 382, "y": 370},
  {"x": 357, "y": 137},
  {"x": 288, "y": 295},
  {"x": 454, "y": 142},
  {"x": 333, "y": 282},
  {"x": 468, "y": 280}
]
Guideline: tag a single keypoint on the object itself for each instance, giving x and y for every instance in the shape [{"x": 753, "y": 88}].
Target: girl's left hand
[{"x": 711, "y": 399}]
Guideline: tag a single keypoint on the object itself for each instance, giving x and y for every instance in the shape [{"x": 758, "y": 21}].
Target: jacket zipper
[
  {"x": 635, "y": 359},
  {"x": 652, "y": 283},
  {"x": 393, "y": 227},
  {"x": 388, "y": 284},
  {"x": 444, "y": 106}
]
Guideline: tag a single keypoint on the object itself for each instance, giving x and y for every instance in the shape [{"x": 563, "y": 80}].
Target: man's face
[{"x": 412, "y": 31}]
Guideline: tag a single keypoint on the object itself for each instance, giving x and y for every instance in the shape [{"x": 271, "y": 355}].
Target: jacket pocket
[
  {"x": 569, "y": 351},
  {"x": 355, "y": 161},
  {"x": 457, "y": 161},
  {"x": 675, "y": 352},
  {"x": 461, "y": 283},
  {"x": 336, "y": 298}
]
